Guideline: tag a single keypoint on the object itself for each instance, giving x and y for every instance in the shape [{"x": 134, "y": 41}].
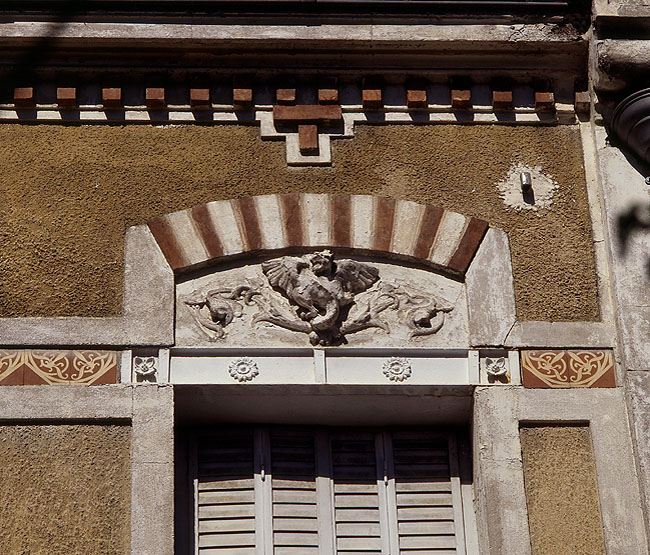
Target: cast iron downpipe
[{"x": 631, "y": 123}]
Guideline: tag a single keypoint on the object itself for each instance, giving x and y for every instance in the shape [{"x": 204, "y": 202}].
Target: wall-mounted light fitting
[{"x": 526, "y": 181}]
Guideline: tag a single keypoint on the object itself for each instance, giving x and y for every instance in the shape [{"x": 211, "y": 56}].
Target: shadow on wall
[
  {"x": 630, "y": 133},
  {"x": 24, "y": 67},
  {"x": 637, "y": 217},
  {"x": 634, "y": 219}
]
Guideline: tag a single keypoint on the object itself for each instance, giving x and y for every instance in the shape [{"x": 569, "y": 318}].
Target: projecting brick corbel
[{"x": 306, "y": 116}]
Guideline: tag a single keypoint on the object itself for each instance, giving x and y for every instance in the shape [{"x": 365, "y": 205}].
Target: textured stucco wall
[
  {"x": 561, "y": 491},
  {"x": 65, "y": 489},
  {"x": 70, "y": 192}
]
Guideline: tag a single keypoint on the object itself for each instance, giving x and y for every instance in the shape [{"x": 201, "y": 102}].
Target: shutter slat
[
  {"x": 416, "y": 551},
  {"x": 228, "y": 497},
  {"x": 427, "y": 528},
  {"x": 416, "y": 471},
  {"x": 359, "y": 501},
  {"x": 294, "y": 511},
  {"x": 356, "y": 488},
  {"x": 297, "y": 539},
  {"x": 231, "y": 540},
  {"x": 226, "y": 511},
  {"x": 225, "y": 484},
  {"x": 290, "y": 550},
  {"x": 407, "y": 449},
  {"x": 424, "y": 499},
  {"x": 282, "y": 483},
  {"x": 358, "y": 544},
  {"x": 427, "y": 542},
  {"x": 354, "y": 459},
  {"x": 295, "y": 524},
  {"x": 425, "y": 513},
  {"x": 232, "y": 525},
  {"x": 357, "y": 515},
  {"x": 228, "y": 551},
  {"x": 302, "y": 496},
  {"x": 372, "y": 529},
  {"x": 420, "y": 485}
]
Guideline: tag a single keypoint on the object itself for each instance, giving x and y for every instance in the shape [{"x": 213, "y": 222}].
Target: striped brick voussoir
[{"x": 196, "y": 237}]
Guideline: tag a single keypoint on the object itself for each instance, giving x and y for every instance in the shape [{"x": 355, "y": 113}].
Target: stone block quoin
[{"x": 199, "y": 236}]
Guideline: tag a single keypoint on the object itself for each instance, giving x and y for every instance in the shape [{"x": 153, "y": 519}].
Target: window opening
[{"x": 322, "y": 491}]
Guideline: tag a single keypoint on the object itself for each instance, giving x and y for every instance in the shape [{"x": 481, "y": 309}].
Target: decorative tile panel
[
  {"x": 567, "y": 369},
  {"x": 65, "y": 367}
]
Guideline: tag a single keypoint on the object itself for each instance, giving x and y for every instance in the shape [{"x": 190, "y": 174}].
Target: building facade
[{"x": 327, "y": 278}]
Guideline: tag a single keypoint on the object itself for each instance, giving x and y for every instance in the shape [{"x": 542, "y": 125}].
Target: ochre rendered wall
[
  {"x": 65, "y": 489},
  {"x": 561, "y": 491},
  {"x": 69, "y": 193}
]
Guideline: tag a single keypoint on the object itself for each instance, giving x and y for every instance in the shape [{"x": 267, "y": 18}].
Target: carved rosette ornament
[
  {"x": 318, "y": 295},
  {"x": 496, "y": 367},
  {"x": 397, "y": 369},
  {"x": 243, "y": 369},
  {"x": 145, "y": 366}
]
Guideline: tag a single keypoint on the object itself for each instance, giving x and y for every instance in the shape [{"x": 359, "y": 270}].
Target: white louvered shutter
[
  {"x": 225, "y": 494},
  {"x": 298, "y": 491}
]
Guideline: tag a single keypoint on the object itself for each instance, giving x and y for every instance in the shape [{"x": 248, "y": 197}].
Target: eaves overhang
[{"x": 520, "y": 47}]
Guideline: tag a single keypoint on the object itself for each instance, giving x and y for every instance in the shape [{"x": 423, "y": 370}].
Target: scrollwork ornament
[
  {"x": 243, "y": 369},
  {"x": 397, "y": 369},
  {"x": 81, "y": 367},
  {"x": 550, "y": 366},
  {"x": 10, "y": 361},
  {"x": 587, "y": 367},
  {"x": 568, "y": 368}
]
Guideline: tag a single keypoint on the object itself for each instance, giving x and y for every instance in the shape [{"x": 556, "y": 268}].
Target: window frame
[{"x": 459, "y": 478}]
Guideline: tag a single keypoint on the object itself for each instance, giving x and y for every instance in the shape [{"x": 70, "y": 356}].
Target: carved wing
[
  {"x": 354, "y": 276},
  {"x": 194, "y": 299},
  {"x": 283, "y": 273}
]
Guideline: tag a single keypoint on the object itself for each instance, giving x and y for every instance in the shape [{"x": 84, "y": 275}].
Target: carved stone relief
[
  {"x": 496, "y": 367},
  {"x": 243, "y": 369},
  {"x": 319, "y": 296},
  {"x": 397, "y": 369},
  {"x": 145, "y": 367}
]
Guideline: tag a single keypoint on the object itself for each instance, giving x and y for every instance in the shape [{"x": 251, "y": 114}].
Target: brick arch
[{"x": 203, "y": 234}]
